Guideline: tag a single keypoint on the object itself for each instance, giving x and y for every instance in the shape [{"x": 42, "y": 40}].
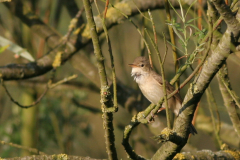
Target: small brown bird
[{"x": 151, "y": 86}]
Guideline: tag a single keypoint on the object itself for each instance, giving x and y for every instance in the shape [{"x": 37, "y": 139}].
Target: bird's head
[{"x": 140, "y": 67}]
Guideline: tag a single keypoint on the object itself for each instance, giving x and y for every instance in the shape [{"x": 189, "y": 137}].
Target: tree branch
[
  {"x": 168, "y": 150},
  {"x": 106, "y": 97},
  {"x": 208, "y": 154},
  {"x": 52, "y": 37},
  {"x": 229, "y": 102}
]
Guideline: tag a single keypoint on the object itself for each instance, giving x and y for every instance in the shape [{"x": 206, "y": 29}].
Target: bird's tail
[{"x": 192, "y": 129}]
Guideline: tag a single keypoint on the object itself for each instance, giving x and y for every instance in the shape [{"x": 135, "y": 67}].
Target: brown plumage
[{"x": 151, "y": 86}]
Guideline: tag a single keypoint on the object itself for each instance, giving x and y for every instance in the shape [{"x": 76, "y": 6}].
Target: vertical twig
[
  {"x": 164, "y": 84},
  {"x": 229, "y": 102},
  {"x": 174, "y": 50},
  {"x": 216, "y": 126},
  {"x": 106, "y": 7},
  {"x": 200, "y": 14},
  {"x": 115, "y": 103},
  {"x": 106, "y": 98},
  {"x": 143, "y": 47},
  {"x": 154, "y": 32},
  {"x": 139, "y": 31},
  {"x": 163, "y": 80}
]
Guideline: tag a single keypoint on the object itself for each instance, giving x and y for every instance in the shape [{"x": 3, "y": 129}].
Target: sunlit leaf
[{"x": 16, "y": 49}]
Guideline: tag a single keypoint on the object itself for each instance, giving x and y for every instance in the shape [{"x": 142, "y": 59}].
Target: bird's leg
[{"x": 151, "y": 119}]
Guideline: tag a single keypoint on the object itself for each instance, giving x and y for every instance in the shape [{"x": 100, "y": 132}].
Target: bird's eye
[{"x": 142, "y": 65}]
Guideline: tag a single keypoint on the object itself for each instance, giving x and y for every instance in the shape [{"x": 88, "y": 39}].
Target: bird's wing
[{"x": 169, "y": 87}]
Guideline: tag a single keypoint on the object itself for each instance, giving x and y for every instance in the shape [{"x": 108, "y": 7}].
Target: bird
[{"x": 151, "y": 85}]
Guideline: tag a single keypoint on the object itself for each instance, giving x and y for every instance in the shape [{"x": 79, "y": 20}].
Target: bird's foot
[{"x": 151, "y": 117}]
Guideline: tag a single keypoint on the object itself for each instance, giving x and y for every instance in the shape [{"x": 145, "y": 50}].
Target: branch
[
  {"x": 52, "y": 37},
  {"x": 106, "y": 98},
  {"x": 55, "y": 156},
  {"x": 229, "y": 102},
  {"x": 171, "y": 32},
  {"x": 32, "y": 150},
  {"x": 44, "y": 64},
  {"x": 168, "y": 150},
  {"x": 216, "y": 124},
  {"x": 208, "y": 154},
  {"x": 72, "y": 7},
  {"x": 141, "y": 116},
  {"x": 228, "y": 16}
]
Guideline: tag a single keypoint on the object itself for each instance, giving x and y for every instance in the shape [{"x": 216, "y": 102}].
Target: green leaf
[
  {"x": 16, "y": 49},
  {"x": 174, "y": 10},
  {"x": 182, "y": 44},
  {"x": 195, "y": 27},
  {"x": 190, "y": 8},
  {"x": 180, "y": 29},
  {"x": 189, "y": 21},
  {"x": 181, "y": 9},
  {"x": 175, "y": 46},
  {"x": 178, "y": 34}
]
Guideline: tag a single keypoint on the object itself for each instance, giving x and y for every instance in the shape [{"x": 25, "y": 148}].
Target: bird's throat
[{"x": 139, "y": 75}]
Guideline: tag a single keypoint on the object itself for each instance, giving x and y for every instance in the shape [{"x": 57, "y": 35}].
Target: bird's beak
[{"x": 132, "y": 65}]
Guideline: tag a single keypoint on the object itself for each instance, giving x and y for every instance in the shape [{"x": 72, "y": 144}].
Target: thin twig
[
  {"x": 171, "y": 32},
  {"x": 189, "y": 77},
  {"x": 20, "y": 105},
  {"x": 228, "y": 99},
  {"x": 72, "y": 25},
  {"x": 211, "y": 102},
  {"x": 32, "y": 150},
  {"x": 115, "y": 102},
  {"x": 106, "y": 98},
  {"x": 142, "y": 14},
  {"x": 141, "y": 116},
  {"x": 105, "y": 11},
  {"x": 166, "y": 49},
  {"x": 163, "y": 80},
  {"x": 154, "y": 33},
  {"x": 236, "y": 99},
  {"x": 139, "y": 31},
  {"x": 199, "y": 14},
  {"x": 143, "y": 46},
  {"x": 62, "y": 81}
]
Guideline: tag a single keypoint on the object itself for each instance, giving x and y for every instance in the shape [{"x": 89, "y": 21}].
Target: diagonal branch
[
  {"x": 52, "y": 37},
  {"x": 196, "y": 90},
  {"x": 229, "y": 102},
  {"x": 208, "y": 154}
]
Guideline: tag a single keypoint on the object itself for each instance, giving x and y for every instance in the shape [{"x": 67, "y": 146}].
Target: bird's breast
[{"x": 151, "y": 89}]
